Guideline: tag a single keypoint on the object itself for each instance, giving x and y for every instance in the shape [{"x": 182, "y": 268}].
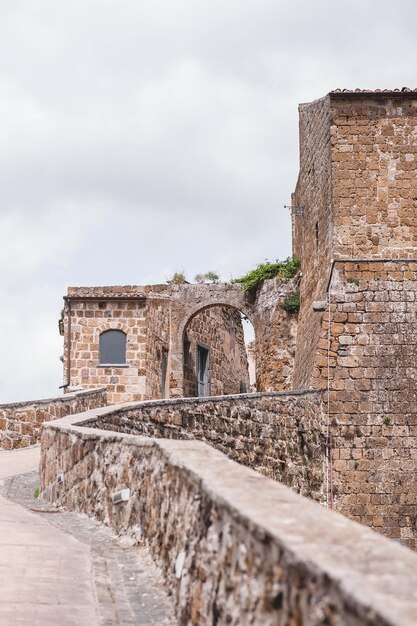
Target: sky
[{"x": 139, "y": 138}]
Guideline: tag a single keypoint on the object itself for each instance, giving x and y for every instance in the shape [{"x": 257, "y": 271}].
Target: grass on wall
[{"x": 264, "y": 271}]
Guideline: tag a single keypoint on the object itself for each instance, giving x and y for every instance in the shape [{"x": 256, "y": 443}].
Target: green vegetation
[
  {"x": 291, "y": 302},
  {"x": 386, "y": 420},
  {"x": 282, "y": 269},
  {"x": 178, "y": 278},
  {"x": 208, "y": 277},
  {"x": 36, "y": 493},
  {"x": 353, "y": 281}
]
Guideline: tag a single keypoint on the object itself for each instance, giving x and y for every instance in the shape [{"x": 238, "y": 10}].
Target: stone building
[
  {"x": 168, "y": 341},
  {"x": 122, "y": 338},
  {"x": 355, "y": 229}
]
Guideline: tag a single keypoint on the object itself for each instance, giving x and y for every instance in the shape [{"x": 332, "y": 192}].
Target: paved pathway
[{"x": 63, "y": 569}]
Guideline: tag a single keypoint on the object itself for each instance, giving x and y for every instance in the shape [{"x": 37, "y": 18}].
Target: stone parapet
[
  {"x": 236, "y": 547},
  {"x": 280, "y": 435},
  {"x": 20, "y": 422}
]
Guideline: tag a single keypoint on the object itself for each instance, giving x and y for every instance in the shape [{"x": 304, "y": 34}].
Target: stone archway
[
  {"x": 184, "y": 309},
  {"x": 215, "y": 356}
]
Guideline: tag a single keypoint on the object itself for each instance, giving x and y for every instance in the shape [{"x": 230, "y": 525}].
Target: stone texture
[
  {"x": 374, "y": 168},
  {"x": 20, "y": 422},
  {"x": 156, "y": 318},
  {"x": 276, "y": 336},
  {"x": 368, "y": 357},
  {"x": 357, "y": 187},
  {"x": 220, "y": 328},
  {"x": 280, "y": 435},
  {"x": 312, "y": 229},
  {"x": 236, "y": 547}
]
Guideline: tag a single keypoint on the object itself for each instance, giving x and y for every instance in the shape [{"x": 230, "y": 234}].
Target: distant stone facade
[
  {"x": 163, "y": 325},
  {"x": 356, "y": 195},
  {"x": 275, "y": 343},
  {"x": 148, "y": 318}
]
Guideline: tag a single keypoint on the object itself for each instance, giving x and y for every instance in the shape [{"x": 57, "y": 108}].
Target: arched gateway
[{"x": 189, "y": 303}]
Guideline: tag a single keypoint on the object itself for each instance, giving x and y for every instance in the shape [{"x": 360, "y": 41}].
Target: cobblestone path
[{"x": 64, "y": 569}]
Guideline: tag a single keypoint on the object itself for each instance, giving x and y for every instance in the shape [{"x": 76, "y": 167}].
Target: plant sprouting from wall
[
  {"x": 208, "y": 277},
  {"x": 282, "y": 269},
  {"x": 178, "y": 278},
  {"x": 291, "y": 302}
]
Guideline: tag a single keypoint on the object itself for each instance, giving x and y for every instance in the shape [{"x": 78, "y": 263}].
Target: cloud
[
  {"x": 31, "y": 242},
  {"x": 139, "y": 138}
]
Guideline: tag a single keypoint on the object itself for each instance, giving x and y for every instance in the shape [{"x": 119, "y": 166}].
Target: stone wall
[
  {"x": 89, "y": 318},
  {"x": 312, "y": 229},
  {"x": 371, "y": 362},
  {"x": 275, "y": 336},
  {"x": 357, "y": 185},
  {"x": 374, "y": 170},
  {"x": 220, "y": 329},
  {"x": 236, "y": 548},
  {"x": 20, "y": 423},
  {"x": 157, "y": 348},
  {"x": 279, "y": 434},
  {"x": 356, "y": 194}
]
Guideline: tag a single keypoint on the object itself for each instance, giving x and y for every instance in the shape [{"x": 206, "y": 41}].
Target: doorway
[{"x": 203, "y": 370}]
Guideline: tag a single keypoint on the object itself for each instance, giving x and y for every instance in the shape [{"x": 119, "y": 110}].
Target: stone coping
[
  {"x": 213, "y": 399},
  {"x": 146, "y": 290},
  {"x": 66, "y": 396},
  {"x": 366, "y": 569}
]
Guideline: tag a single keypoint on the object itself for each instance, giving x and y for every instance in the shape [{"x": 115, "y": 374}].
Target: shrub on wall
[
  {"x": 291, "y": 302},
  {"x": 178, "y": 279},
  {"x": 282, "y": 269}
]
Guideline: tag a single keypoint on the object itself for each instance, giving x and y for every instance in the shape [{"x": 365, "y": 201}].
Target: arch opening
[{"x": 218, "y": 352}]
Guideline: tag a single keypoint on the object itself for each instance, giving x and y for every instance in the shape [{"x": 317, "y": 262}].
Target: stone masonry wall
[
  {"x": 372, "y": 366},
  {"x": 20, "y": 423},
  {"x": 275, "y": 336},
  {"x": 280, "y": 435},
  {"x": 155, "y": 318},
  {"x": 235, "y": 547},
  {"x": 220, "y": 329},
  {"x": 374, "y": 174},
  {"x": 312, "y": 229},
  {"x": 157, "y": 342},
  {"x": 356, "y": 195},
  {"x": 89, "y": 319}
]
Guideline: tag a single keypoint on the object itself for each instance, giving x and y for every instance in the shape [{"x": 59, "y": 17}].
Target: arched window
[{"x": 113, "y": 347}]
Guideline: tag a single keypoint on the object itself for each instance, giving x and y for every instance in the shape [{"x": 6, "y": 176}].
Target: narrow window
[
  {"x": 317, "y": 236},
  {"x": 187, "y": 353},
  {"x": 203, "y": 370},
  {"x": 113, "y": 347},
  {"x": 164, "y": 367}
]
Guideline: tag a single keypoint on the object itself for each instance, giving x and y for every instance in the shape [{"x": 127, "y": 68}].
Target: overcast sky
[{"x": 143, "y": 137}]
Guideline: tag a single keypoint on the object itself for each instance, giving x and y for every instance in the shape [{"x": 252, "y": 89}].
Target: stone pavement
[{"x": 64, "y": 569}]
